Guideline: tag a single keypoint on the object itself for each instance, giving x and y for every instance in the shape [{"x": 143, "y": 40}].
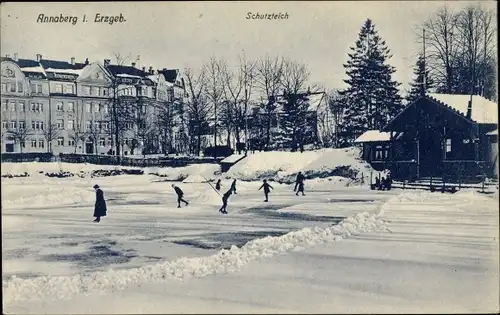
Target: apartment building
[{"x": 58, "y": 106}]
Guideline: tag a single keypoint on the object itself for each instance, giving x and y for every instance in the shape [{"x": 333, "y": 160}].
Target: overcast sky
[{"x": 180, "y": 34}]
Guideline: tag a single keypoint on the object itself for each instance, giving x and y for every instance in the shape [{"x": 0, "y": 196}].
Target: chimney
[
  {"x": 469, "y": 108},
  {"x": 15, "y": 56},
  {"x": 106, "y": 62},
  {"x": 7, "y": 56},
  {"x": 38, "y": 57},
  {"x": 133, "y": 64},
  {"x": 72, "y": 60},
  {"x": 151, "y": 70},
  {"x": 86, "y": 61},
  {"x": 143, "y": 69}
]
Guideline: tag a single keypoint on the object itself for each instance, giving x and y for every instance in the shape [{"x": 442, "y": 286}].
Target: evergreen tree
[
  {"x": 293, "y": 123},
  {"x": 417, "y": 87},
  {"x": 372, "y": 96}
]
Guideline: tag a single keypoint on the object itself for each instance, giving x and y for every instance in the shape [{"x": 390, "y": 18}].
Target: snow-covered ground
[{"x": 336, "y": 250}]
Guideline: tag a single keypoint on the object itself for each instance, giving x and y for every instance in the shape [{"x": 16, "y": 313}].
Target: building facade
[{"x": 68, "y": 107}]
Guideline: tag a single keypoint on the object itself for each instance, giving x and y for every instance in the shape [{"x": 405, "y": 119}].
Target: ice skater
[
  {"x": 225, "y": 198},
  {"x": 266, "y": 187},
  {"x": 218, "y": 185},
  {"x": 180, "y": 195},
  {"x": 300, "y": 189},
  {"x": 100, "y": 204},
  {"x": 233, "y": 186},
  {"x": 300, "y": 179}
]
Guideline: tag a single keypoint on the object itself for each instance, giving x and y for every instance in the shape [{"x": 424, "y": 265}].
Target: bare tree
[
  {"x": 51, "y": 132},
  {"x": 247, "y": 69},
  {"x": 95, "y": 133},
  {"x": 121, "y": 59},
  {"x": 19, "y": 136},
  {"x": 214, "y": 90},
  {"x": 268, "y": 81},
  {"x": 77, "y": 135},
  {"x": 144, "y": 127},
  {"x": 294, "y": 77},
  {"x": 337, "y": 106},
  {"x": 442, "y": 46},
  {"x": 198, "y": 108}
]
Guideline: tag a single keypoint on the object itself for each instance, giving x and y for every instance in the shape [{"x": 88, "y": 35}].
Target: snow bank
[
  {"x": 284, "y": 166},
  {"x": 13, "y": 197},
  {"x": 195, "y": 173},
  {"x": 63, "y": 287},
  {"x": 34, "y": 168}
]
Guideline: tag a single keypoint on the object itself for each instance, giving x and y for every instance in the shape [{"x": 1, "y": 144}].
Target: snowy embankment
[
  {"x": 283, "y": 166},
  {"x": 63, "y": 287}
]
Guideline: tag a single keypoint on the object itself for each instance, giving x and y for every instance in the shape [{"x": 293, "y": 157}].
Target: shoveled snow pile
[
  {"x": 30, "y": 196},
  {"x": 63, "y": 287},
  {"x": 207, "y": 197},
  {"x": 194, "y": 173},
  {"x": 284, "y": 166}
]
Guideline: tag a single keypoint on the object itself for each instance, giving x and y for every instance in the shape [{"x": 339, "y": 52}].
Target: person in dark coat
[
  {"x": 266, "y": 187},
  {"x": 300, "y": 179},
  {"x": 217, "y": 185},
  {"x": 225, "y": 198},
  {"x": 100, "y": 204},
  {"x": 180, "y": 195},
  {"x": 301, "y": 189},
  {"x": 233, "y": 186}
]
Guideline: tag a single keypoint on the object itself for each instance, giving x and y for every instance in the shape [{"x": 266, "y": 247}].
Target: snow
[
  {"x": 38, "y": 69},
  {"x": 283, "y": 166},
  {"x": 65, "y": 71},
  {"x": 373, "y": 135},
  {"x": 194, "y": 173},
  {"x": 409, "y": 253},
  {"x": 124, "y": 75},
  {"x": 232, "y": 158},
  {"x": 493, "y": 133},
  {"x": 484, "y": 111},
  {"x": 34, "y": 168}
]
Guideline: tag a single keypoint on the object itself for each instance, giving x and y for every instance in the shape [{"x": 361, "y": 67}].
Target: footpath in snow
[{"x": 423, "y": 252}]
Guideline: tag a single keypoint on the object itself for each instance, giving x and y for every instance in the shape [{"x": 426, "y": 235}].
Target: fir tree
[
  {"x": 293, "y": 120},
  {"x": 417, "y": 87},
  {"x": 372, "y": 96}
]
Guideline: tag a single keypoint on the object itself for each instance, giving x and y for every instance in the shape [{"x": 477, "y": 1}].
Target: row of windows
[
  {"x": 66, "y": 89},
  {"x": 13, "y": 87},
  {"x": 35, "y": 143},
  {"x": 40, "y": 143},
  {"x": 60, "y": 107},
  {"x": 35, "y": 125}
]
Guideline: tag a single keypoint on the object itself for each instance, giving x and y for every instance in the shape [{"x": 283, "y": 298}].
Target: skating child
[
  {"x": 180, "y": 195},
  {"x": 266, "y": 187}
]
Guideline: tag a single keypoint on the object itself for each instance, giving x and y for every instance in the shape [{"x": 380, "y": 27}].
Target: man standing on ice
[
  {"x": 233, "y": 186},
  {"x": 225, "y": 197},
  {"x": 100, "y": 205},
  {"x": 266, "y": 187},
  {"x": 180, "y": 195},
  {"x": 300, "y": 179}
]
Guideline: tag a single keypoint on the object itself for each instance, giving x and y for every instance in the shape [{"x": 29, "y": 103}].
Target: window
[
  {"x": 466, "y": 141},
  {"x": 448, "y": 145},
  {"x": 36, "y": 107},
  {"x": 37, "y": 125},
  {"x": 22, "y": 106},
  {"x": 110, "y": 142},
  {"x": 22, "y": 124},
  {"x": 97, "y": 107},
  {"x": 5, "y": 124},
  {"x": 89, "y": 125},
  {"x": 12, "y": 87},
  {"x": 4, "y": 87},
  {"x": 71, "y": 143},
  {"x": 71, "y": 124},
  {"x": 33, "y": 125},
  {"x": 41, "y": 125},
  {"x": 23, "y": 144},
  {"x": 41, "y": 143},
  {"x": 12, "y": 106},
  {"x": 60, "y": 124},
  {"x": 86, "y": 90},
  {"x": 59, "y": 106},
  {"x": 102, "y": 142},
  {"x": 33, "y": 143},
  {"x": 59, "y": 88},
  {"x": 69, "y": 89},
  {"x": 106, "y": 108},
  {"x": 88, "y": 107},
  {"x": 13, "y": 124},
  {"x": 105, "y": 125},
  {"x": 4, "y": 105},
  {"x": 381, "y": 152},
  {"x": 104, "y": 91},
  {"x": 96, "y": 125},
  {"x": 71, "y": 107},
  {"x": 36, "y": 88},
  {"x": 60, "y": 141},
  {"x": 143, "y": 109},
  {"x": 20, "y": 87}
]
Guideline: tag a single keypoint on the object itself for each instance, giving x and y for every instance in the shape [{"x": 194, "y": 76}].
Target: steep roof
[
  {"x": 484, "y": 111},
  {"x": 170, "y": 75}
]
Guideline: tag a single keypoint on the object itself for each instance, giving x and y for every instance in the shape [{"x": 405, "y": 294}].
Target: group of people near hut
[
  {"x": 384, "y": 183},
  {"x": 100, "y": 205}
]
